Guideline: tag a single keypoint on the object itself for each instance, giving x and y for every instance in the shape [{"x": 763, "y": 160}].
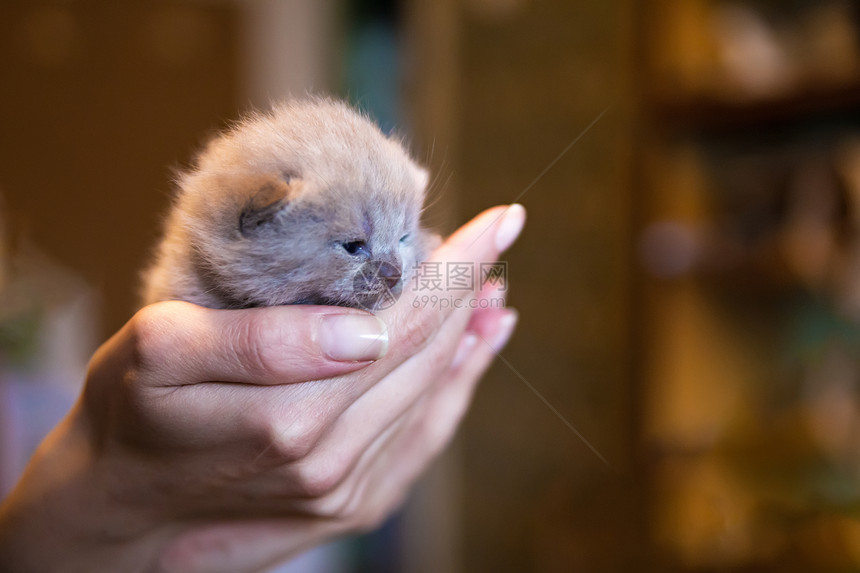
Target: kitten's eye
[
  {"x": 404, "y": 238},
  {"x": 357, "y": 249}
]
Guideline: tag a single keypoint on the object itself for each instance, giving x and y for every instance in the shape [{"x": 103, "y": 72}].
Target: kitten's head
[{"x": 309, "y": 204}]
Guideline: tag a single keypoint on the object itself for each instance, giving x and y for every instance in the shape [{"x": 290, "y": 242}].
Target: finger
[
  {"x": 337, "y": 488},
  {"x": 353, "y": 433},
  {"x": 396, "y": 455},
  {"x": 359, "y": 433},
  {"x": 496, "y": 228},
  {"x": 431, "y": 428},
  {"x": 177, "y": 343},
  {"x": 334, "y": 483},
  {"x": 163, "y": 375},
  {"x": 428, "y": 299},
  {"x": 492, "y": 330},
  {"x": 493, "y": 294}
]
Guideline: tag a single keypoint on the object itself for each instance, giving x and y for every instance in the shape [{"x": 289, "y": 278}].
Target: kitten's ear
[{"x": 268, "y": 197}]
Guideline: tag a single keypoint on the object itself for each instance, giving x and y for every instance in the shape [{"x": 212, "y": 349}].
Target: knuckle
[
  {"x": 254, "y": 345},
  {"x": 286, "y": 442},
  {"x": 341, "y": 502},
  {"x": 263, "y": 347},
  {"x": 151, "y": 335},
  {"x": 321, "y": 479},
  {"x": 419, "y": 328},
  {"x": 338, "y": 504}
]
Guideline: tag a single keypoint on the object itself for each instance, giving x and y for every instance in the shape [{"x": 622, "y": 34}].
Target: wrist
[{"x": 61, "y": 517}]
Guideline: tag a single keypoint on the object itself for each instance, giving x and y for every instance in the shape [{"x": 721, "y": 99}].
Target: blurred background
[{"x": 683, "y": 392}]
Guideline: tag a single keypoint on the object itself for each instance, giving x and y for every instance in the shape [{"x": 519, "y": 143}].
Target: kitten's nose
[{"x": 389, "y": 274}]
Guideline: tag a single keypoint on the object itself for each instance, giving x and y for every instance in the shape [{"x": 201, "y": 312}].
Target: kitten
[{"x": 307, "y": 204}]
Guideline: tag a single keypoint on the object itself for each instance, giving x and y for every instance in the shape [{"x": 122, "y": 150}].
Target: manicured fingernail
[
  {"x": 510, "y": 226},
  {"x": 505, "y": 330},
  {"x": 353, "y": 337},
  {"x": 467, "y": 343}
]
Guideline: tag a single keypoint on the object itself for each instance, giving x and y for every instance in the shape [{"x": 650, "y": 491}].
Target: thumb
[{"x": 178, "y": 343}]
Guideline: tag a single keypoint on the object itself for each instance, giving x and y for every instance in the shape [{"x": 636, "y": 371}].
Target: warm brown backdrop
[{"x": 99, "y": 101}]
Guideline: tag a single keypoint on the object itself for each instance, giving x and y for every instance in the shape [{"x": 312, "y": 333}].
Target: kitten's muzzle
[
  {"x": 389, "y": 275},
  {"x": 377, "y": 285}
]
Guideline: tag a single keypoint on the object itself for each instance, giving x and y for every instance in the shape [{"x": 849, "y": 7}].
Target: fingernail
[
  {"x": 510, "y": 226},
  {"x": 353, "y": 337},
  {"x": 505, "y": 330}
]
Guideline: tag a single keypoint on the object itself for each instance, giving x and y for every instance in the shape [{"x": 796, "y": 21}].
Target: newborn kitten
[{"x": 307, "y": 204}]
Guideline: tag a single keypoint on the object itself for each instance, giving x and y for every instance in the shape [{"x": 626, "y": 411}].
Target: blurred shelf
[{"x": 714, "y": 115}]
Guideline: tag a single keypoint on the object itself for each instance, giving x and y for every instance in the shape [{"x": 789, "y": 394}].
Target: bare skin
[{"x": 229, "y": 440}]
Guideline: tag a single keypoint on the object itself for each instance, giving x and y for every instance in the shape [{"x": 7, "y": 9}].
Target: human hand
[{"x": 211, "y": 440}]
